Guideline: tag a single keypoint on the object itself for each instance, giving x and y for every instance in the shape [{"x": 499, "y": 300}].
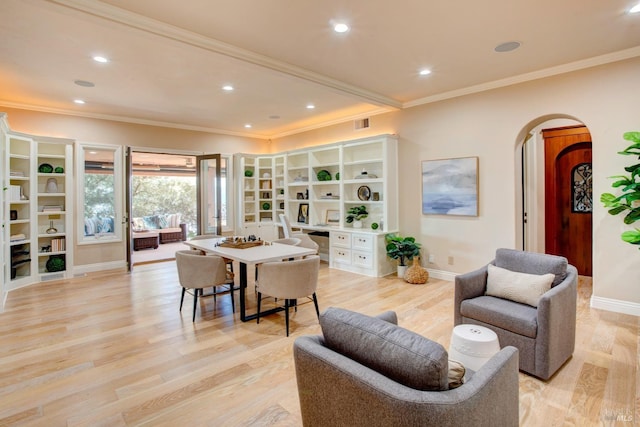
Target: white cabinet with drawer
[{"x": 360, "y": 252}]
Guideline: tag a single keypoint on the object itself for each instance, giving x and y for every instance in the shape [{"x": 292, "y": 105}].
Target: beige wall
[
  {"x": 490, "y": 125},
  {"x": 124, "y": 134}
]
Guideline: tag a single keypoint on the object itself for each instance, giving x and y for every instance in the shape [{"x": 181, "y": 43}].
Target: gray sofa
[
  {"x": 545, "y": 335},
  {"x": 336, "y": 390}
]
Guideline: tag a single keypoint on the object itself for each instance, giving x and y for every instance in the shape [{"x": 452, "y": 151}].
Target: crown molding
[
  {"x": 125, "y": 119},
  {"x": 536, "y": 75},
  {"x": 162, "y": 29}
]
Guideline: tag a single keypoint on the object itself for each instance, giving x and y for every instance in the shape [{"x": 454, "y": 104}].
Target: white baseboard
[
  {"x": 441, "y": 274},
  {"x": 615, "y": 305},
  {"x": 79, "y": 270}
]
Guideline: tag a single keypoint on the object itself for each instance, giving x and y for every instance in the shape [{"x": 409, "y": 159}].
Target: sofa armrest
[
  {"x": 557, "y": 324},
  {"x": 335, "y": 390},
  {"x": 467, "y": 286}
]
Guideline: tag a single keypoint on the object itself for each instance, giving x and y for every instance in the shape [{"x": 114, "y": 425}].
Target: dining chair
[
  {"x": 196, "y": 272},
  {"x": 229, "y": 262},
  {"x": 305, "y": 240},
  {"x": 289, "y": 280},
  {"x": 293, "y": 241}
]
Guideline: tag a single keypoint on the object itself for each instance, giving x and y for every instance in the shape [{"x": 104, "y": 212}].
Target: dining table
[{"x": 254, "y": 255}]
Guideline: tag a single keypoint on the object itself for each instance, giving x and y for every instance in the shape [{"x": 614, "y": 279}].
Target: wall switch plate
[
  {"x": 432, "y": 258},
  {"x": 450, "y": 260}
]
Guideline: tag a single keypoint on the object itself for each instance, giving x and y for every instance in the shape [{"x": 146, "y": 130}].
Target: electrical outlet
[
  {"x": 450, "y": 260},
  {"x": 432, "y": 258}
]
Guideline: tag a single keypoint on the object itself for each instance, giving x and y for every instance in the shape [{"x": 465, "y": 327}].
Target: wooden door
[{"x": 569, "y": 201}]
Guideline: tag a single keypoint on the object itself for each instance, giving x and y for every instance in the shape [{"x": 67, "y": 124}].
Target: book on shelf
[
  {"x": 52, "y": 208},
  {"x": 15, "y": 193},
  {"x": 58, "y": 245},
  {"x": 17, "y": 173}
]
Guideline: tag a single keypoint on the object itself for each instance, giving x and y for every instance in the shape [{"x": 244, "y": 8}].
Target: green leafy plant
[
  {"x": 402, "y": 248},
  {"x": 356, "y": 213},
  {"x": 629, "y": 200}
]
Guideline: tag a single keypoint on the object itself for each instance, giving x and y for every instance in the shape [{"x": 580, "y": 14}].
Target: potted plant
[
  {"x": 355, "y": 215},
  {"x": 403, "y": 249},
  {"x": 629, "y": 200}
]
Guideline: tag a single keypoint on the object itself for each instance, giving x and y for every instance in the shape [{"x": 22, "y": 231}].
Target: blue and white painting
[{"x": 450, "y": 186}]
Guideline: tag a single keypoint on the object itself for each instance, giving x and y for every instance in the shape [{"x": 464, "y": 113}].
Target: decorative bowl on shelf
[
  {"x": 266, "y": 206},
  {"x": 248, "y": 173},
  {"x": 324, "y": 175},
  {"x": 45, "y": 168}
]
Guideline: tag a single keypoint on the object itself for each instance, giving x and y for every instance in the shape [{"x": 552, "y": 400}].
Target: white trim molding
[
  {"x": 442, "y": 275},
  {"x": 617, "y": 306},
  {"x": 81, "y": 270}
]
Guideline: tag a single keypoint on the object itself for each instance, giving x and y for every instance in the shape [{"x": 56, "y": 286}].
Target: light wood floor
[{"x": 113, "y": 350}]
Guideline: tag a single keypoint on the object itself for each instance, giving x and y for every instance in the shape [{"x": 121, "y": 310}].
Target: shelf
[{"x": 43, "y": 254}]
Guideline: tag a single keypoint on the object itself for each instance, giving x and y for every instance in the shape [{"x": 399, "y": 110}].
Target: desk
[{"x": 253, "y": 255}]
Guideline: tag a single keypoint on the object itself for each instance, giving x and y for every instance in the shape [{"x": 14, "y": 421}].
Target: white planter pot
[
  {"x": 357, "y": 224},
  {"x": 401, "y": 270}
]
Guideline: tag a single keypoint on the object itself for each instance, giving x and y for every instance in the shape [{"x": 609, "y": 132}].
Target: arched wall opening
[{"x": 530, "y": 180}]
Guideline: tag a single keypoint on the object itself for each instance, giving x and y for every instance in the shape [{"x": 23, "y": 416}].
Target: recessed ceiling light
[
  {"x": 84, "y": 83},
  {"x": 507, "y": 47},
  {"x": 274, "y": 117},
  {"x": 424, "y": 72},
  {"x": 310, "y": 106},
  {"x": 340, "y": 27},
  {"x": 248, "y": 125},
  {"x": 100, "y": 59},
  {"x": 228, "y": 88},
  {"x": 635, "y": 9},
  {"x": 78, "y": 101}
]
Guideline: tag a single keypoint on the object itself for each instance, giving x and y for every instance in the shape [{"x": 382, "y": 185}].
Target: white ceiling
[{"x": 170, "y": 58}]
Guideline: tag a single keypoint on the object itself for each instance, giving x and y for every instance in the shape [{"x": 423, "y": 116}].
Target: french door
[{"x": 211, "y": 170}]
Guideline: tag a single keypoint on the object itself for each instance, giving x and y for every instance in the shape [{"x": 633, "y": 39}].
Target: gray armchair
[
  {"x": 335, "y": 389},
  {"x": 545, "y": 335}
]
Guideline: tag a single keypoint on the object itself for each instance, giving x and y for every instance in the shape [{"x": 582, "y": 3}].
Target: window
[
  {"x": 99, "y": 193},
  {"x": 581, "y": 189}
]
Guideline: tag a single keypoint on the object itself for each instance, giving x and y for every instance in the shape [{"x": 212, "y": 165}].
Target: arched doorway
[{"x": 548, "y": 220}]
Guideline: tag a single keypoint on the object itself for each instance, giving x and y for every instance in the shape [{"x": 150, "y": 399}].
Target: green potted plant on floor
[
  {"x": 355, "y": 215},
  {"x": 403, "y": 249},
  {"x": 629, "y": 200}
]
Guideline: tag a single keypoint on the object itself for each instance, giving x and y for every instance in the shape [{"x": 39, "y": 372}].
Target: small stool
[{"x": 473, "y": 345}]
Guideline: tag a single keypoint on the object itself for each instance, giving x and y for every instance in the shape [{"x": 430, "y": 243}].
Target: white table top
[{"x": 253, "y": 255}]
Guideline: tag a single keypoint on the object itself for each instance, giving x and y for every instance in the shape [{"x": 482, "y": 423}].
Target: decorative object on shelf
[
  {"x": 376, "y": 196},
  {"x": 450, "y": 186},
  {"x": 374, "y": 226},
  {"x": 55, "y": 263},
  {"x": 303, "y": 213},
  {"x": 365, "y": 175},
  {"x": 629, "y": 200},
  {"x": 248, "y": 173},
  {"x": 355, "y": 215},
  {"x": 416, "y": 274},
  {"x": 332, "y": 217},
  {"x": 266, "y": 175},
  {"x": 300, "y": 196},
  {"x": 52, "y": 186},
  {"x": 51, "y": 229},
  {"x": 59, "y": 169},
  {"x": 266, "y": 185},
  {"x": 266, "y": 206},
  {"x": 364, "y": 193},
  {"x": 337, "y": 176},
  {"x": 324, "y": 175},
  {"x": 13, "y": 215},
  {"x": 403, "y": 249},
  {"x": 45, "y": 168}
]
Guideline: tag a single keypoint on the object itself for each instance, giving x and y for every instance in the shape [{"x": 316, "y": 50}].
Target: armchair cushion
[
  {"x": 515, "y": 286},
  {"x": 395, "y": 352},
  {"x": 508, "y": 315},
  {"x": 532, "y": 263}
]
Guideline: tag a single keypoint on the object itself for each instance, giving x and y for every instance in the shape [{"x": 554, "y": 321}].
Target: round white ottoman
[{"x": 473, "y": 345}]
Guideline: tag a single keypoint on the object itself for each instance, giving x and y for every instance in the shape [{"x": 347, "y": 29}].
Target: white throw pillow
[{"x": 519, "y": 287}]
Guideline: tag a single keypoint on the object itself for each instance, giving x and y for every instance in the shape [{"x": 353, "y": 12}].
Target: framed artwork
[
  {"x": 450, "y": 186},
  {"x": 303, "y": 213},
  {"x": 332, "y": 217}
]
